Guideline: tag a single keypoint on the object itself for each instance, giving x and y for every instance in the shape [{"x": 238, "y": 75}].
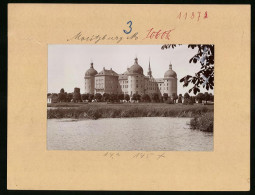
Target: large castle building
[{"x": 130, "y": 82}]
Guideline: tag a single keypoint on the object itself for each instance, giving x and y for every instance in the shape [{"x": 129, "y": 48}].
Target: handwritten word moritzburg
[{"x": 96, "y": 38}]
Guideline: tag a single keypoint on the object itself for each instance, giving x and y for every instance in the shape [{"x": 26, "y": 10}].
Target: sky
[{"x": 67, "y": 63}]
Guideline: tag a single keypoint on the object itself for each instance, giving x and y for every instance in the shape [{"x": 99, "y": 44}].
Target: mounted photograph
[{"x": 130, "y": 97}]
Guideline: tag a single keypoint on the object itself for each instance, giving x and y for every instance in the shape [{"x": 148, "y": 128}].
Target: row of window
[
  {"x": 124, "y": 81},
  {"x": 126, "y": 86}
]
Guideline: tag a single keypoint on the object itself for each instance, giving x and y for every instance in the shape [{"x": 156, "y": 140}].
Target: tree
[
  {"x": 186, "y": 96},
  {"x": 134, "y": 97},
  {"x": 98, "y": 97},
  {"x": 165, "y": 96},
  {"x": 193, "y": 99},
  {"x": 155, "y": 97},
  {"x": 138, "y": 97},
  {"x": 180, "y": 98},
  {"x": 76, "y": 95},
  {"x": 169, "y": 101},
  {"x": 161, "y": 99},
  {"x": 211, "y": 97},
  {"x": 91, "y": 97},
  {"x": 206, "y": 97},
  {"x": 113, "y": 97},
  {"x": 54, "y": 98},
  {"x": 205, "y": 76},
  {"x": 121, "y": 96},
  {"x": 146, "y": 98},
  {"x": 127, "y": 97},
  {"x": 85, "y": 96},
  {"x": 69, "y": 97},
  {"x": 106, "y": 97},
  {"x": 62, "y": 96},
  {"x": 175, "y": 97},
  {"x": 187, "y": 99},
  {"x": 200, "y": 97}
]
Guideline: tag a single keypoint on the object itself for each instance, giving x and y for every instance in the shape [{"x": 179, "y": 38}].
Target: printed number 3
[{"x": 127, "y": 32}]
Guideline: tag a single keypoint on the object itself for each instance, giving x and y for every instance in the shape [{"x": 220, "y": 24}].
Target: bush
[
  {"x": 180, "y": 99},
  {"x": 188, "y": 101},
  {"x": 96, "y": 111},
  {"x": 169, "y": 101},
  {"x": 203, "y": 122}
]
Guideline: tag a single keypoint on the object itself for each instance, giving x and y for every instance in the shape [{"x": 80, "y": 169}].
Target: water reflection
[{"x": 146, "y": 134}]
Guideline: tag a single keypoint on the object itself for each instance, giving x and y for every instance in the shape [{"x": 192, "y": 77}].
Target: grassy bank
[
  {"x": 64, "y": 104},
  {"x": 203, "y": 122},
  {"x": 100, "y": 110}
]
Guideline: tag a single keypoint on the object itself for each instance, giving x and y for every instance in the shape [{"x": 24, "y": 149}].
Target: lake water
[{"x": 145, "y": 134}]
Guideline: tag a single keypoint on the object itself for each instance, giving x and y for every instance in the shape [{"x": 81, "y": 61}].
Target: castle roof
[
  {"x": 136, "y": 68},
  {"x": 123, "y": 77},
  {"x": 159, "y": 80},
  {"x": 170, "y": 72},
  {"x": 106, "y": 72},
  {"x": 91, "y": 71}
]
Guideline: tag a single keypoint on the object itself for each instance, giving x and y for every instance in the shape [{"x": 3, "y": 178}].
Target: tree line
[{"x": 76, "y": 96}]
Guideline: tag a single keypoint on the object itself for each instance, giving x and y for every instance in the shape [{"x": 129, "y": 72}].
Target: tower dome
[
  {"x": 170, "y": 72},
  {"x": 91, "y": 71},
  {"x": 136, "y": 68}
]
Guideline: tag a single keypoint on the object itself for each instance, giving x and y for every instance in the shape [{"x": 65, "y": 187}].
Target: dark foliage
[{"x": 205, "y": 76}]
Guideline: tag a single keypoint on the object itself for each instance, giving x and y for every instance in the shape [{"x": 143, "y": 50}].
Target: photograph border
[
  {"x": 153, "y": 65},
  {"x": 3, "y": 90}
]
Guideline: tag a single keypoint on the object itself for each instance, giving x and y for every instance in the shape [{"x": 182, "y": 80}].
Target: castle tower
[
  {"x": 149, "y": 73},
  {"x": 135, "y": 79},
  {"x": 170, "y": 81},
  {"x": 90, "y": 80}
]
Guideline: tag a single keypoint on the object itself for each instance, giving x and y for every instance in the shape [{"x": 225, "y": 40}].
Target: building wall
[
  {"x": 133, "y": 84},
  {"x": 136, "y": 84},
  {"x": 152, "y": 87},
  {"x": 106, "y": 84},
  {"x": 100, "y": 84},
  {"x": 161, "y": 87},
  {"x": 123, "y": 86},
  {"x": 111, "y": 84}
]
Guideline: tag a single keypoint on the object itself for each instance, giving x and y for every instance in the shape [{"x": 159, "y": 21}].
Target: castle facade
[{"x": 133, "y": 81}]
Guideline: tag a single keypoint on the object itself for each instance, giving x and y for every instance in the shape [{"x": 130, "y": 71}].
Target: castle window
[{"x": 136, "y": 86}]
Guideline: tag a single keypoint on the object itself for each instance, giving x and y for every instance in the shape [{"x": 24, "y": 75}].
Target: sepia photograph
[{"x": 130, "y": 97}]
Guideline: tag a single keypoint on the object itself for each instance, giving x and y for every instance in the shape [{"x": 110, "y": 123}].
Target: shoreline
[
  {"x": 202, "y": 116},
  {"x": 96, "y": 111}
]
